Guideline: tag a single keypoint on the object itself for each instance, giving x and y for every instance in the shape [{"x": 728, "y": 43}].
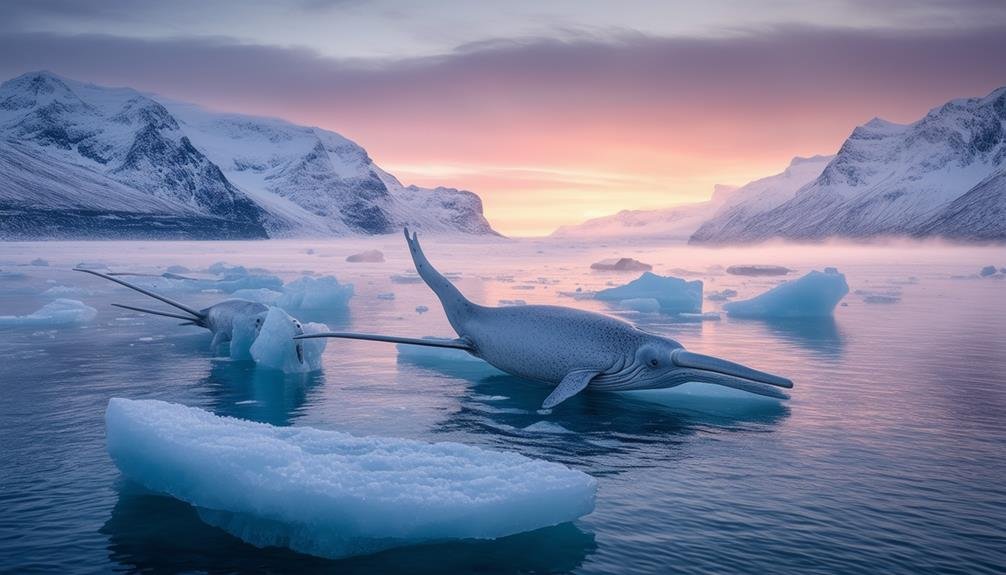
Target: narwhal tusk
[{"x": 688, "y": 359}]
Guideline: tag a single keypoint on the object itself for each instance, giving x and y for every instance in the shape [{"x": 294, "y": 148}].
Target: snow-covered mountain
[
  {"x": 762, "y": 195},
  {"x": 80, "y": 160},
  {"x": 939, "y": 176},
  {"x": 676, "y": 223}
]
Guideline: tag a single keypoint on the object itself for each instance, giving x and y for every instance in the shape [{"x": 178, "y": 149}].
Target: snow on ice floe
[
  {"x": 309, "y": 293},
  {"x": 369, "y": 256},
  {"x": 621, "y": 265},
  {"x": 267, "y": 339},
  {"x": 332, "y": 494},
  {"x": 813, "y": 295},
  {"x": 674, "y": 295},
  {"x": 55, "y": 313}
]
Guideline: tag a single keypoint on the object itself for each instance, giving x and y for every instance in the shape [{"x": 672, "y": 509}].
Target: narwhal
[
  {"x": 570, "y": 348},
  {"x": 219, "y": 318}
]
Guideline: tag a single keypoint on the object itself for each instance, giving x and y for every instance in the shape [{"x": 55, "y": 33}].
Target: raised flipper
[
  {"x": 572, "y": 384},
  {"x": 449, "y": 343},
  {"x": 196, "y": 314}
]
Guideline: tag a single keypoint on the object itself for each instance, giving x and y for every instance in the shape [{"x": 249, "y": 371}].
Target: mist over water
[{"x": 888, "y": 457}]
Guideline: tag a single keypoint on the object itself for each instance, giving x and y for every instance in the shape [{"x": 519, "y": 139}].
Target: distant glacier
[{"x": 85, "y": 161}]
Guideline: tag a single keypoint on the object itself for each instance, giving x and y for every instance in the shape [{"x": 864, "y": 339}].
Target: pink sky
[{"x": 556, "y": 128}]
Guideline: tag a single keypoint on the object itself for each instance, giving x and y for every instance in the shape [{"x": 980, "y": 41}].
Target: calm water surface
[{"x": 888, "y": 458}]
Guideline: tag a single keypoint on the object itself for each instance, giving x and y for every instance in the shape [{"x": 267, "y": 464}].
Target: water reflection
[
  {"x": 594, "y": 430},
  {"x": 244, "y": 390},
  {"x": 152, "y": 533},
  {"x": 818, "y": 335}
]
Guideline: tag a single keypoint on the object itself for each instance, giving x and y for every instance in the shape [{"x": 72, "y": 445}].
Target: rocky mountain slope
[
  {"x": 94, "y": 162},
  {"x": 939, "y": 176}
]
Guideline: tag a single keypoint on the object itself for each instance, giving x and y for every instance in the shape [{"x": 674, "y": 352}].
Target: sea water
[{"x": 888, "y": 458}]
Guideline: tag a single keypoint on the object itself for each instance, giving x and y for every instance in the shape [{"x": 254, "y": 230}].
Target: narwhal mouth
[{"x": 727, "y": 373}]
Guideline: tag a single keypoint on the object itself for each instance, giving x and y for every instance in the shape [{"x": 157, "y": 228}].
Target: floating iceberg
[
  {"x": 274, "y": 346},
  {"x": 757, "y": 270},
  {"x": 371, "y": 256},
  {"x": 39, "y": 262},
  {"x": 55, "y": 313},
  {"x": 674, "y": 295},
  {"x": 308, "y": 293},
  {"x": 260, "y": 295},
  {"x": 813, "y": 295},
  {"x": 621, "y": 265},
  {"x": 331, "y": 494}
]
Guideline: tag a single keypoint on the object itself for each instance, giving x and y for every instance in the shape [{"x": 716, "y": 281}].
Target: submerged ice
[
  {"x": 332, "y": 494},
  {"x": 813, "y": 295}
]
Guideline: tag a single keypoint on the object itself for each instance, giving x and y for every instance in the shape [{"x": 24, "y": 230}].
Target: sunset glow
[{"x": 556, "y": 122}]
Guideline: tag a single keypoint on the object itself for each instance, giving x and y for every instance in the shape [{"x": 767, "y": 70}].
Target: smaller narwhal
[
  {"x": 570, "y": 348},
  {"x": 219, "y": 318}
]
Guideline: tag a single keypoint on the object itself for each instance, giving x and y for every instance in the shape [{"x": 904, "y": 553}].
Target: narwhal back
[{"x": 456, "y": 306}]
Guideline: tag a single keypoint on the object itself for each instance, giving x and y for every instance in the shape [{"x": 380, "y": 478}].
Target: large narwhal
[{"x": 572, "y": 348}]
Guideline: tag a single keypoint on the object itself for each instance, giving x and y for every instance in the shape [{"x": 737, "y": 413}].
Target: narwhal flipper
[
  {"x": 449, "y": 343},
  {"x": 196, "y": 314},
  {"x": 572, "y": 384}
]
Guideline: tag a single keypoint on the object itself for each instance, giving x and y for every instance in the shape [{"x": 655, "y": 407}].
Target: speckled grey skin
[
  {"x": 219, "y": 318},
  {"x": 572, "y": 348}
]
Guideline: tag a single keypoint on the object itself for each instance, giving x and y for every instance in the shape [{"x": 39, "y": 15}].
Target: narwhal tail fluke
[
  {"x": 196, "y": 315},
  {"x": 455, "y": 304}
]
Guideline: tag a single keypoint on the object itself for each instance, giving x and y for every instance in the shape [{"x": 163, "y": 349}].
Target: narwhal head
[{"x": 660, "y": 362}]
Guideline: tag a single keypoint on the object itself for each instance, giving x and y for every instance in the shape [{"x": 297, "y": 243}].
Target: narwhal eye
[{"x": 654, "y": 362}]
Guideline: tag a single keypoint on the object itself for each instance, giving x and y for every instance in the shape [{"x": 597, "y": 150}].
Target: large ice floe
[
  {"x": 309, "y": 293},
  {"x": 332, "y": 494},
  {"x": 59, "y": 312},
  {"x": 673, "y": 295},
  {"x": 813, "y": 295}
]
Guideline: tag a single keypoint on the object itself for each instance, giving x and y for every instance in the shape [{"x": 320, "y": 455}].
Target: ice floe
[
  {"x": 621, "y": 265},
  {"x": 55, "y": 313},
  {"x": 309, "y": 293},
  {"x": 674, "y": 295},
  {"x": 813, "y": 295},
  {"x": 332, "y": 494},
  {"x": 274, "y": 346},
  {"x": 369, "y": 256}
]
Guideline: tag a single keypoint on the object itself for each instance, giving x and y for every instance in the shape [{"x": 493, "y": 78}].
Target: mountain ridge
[{"x": 231, "y": 176}]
